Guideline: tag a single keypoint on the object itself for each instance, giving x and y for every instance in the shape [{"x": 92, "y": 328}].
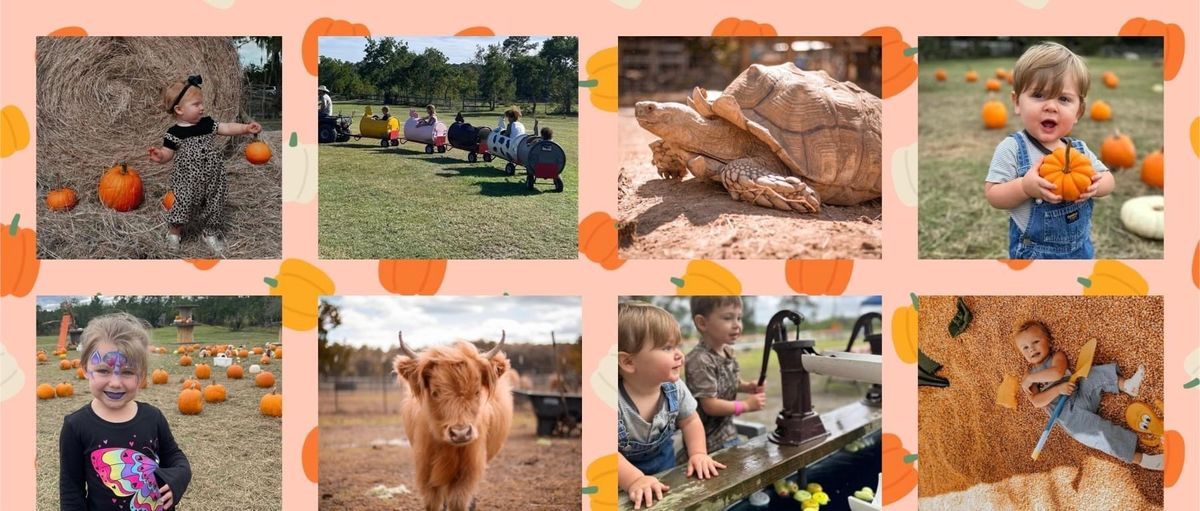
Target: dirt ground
[
  {"x": 974, "y": 451},
  {"x": 693, "y": 219},
  {"x": 366, "y": 463}
]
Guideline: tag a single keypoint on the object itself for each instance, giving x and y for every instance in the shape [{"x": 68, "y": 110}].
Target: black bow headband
[{"x": 192, "y": 81}]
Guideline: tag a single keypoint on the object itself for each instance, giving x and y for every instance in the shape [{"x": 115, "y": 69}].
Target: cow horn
[
  {"x": 492, "y": 352},
  {"x": 405, "y": 349}
]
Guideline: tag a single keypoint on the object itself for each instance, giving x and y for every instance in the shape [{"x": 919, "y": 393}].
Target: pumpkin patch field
[
  {"x": 400, "y": 203},
  {"x": 232, "y": 444},
  {"x": 955, "y": 149}
]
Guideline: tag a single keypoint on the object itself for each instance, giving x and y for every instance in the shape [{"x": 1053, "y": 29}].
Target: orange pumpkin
[
  {"x": 1101, "y": 111},
  {"x": 1173, "y": 451},
  {"x": 992, "y": 85},
  {"x": 995, "y": 114},
  {"x": 264, "y": 379},
  {"x": 168, "y": 200},
  {"x": 1152, "y": 169},
  {"x": 185, "y": 360},
  {"x": 940, "y": 75},
  {"x": 243, "y": 353},
  {"x": 45, "y": 391},
  {"x": 79, "y": 374},
  {"x": 271, "y": 404},
  {"x": 190, "y": 402},
  {"x": 818, "y": 277},
  {"x": 972, "y": 76},
  {"x": 471, "y": 31},
  {"x": 203, "y": 371},
  {"x": 412, "y": 276},
  {"x": 904, "y": 331},
  {"x": 278, "y": 353},
  {"x": 62, "y": 199},
  {"x": 309, "y": 452},
  {"x": 1173, "y": 44},
  {"x": 159, "y": 376},
  {"x": 214, "y": 393},
  {"x": 258, "y": 350},
  {"x": 265, "y": 360},
  {"x": 41, "y": 357},
  {"x": 64, "y": 364},
  {"x": 1001, "y": 73},
  {"x": 121, "y": 188},
  {"x": 1110, "y": 79},
  {"x": 190, "y": 384},
  {"x": 258, "y": 152},
  {"x": 899, "y": 477},
  {"x": 598, "y": 240},
  {"x": 234, "y": 372},
  {"x": 71, "y": 31},
  {"x": 19, "y": 263},
  {"x": 325, "y": 27},
  {"x": 75, "y": 363},
  {"x": 1118, "y": 152},
  {"x": 899, "y": 67},
  {"x": 1070, "y": 170},
  {"x": 738, "y": 27},
  {"x": 64, "y": 389}
]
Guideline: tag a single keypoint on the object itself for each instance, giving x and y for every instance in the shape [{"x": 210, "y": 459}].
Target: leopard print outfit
[{"x": 198, "y": 178}]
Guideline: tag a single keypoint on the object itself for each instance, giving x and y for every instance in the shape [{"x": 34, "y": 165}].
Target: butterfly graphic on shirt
[{"x": 129, "y": 473}]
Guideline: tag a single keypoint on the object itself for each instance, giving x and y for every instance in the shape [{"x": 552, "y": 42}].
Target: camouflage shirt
[{"x": 712, "y": 374}]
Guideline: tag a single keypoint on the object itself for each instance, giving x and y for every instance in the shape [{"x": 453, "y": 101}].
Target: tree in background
[
  {"x": 495, "y": 77},
  {"x": 562, "y": 61}
]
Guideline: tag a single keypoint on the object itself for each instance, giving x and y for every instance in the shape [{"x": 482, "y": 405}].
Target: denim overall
[
  {"x": 1055, "y": 231},
  {"x": 658, "y": 454},
  {"x": 1079, "y": 417}
]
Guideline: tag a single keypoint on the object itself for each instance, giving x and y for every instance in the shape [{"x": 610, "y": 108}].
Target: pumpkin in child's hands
[
  {"x": 258, "y": 152},
  {"x": 1069, "y": 170},
  {"x": 121, "y": 188}
]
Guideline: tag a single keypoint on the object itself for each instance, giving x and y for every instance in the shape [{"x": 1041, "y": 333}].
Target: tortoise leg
[
  {"x": 667, "y": 161},
  {"x": 702, "y": 166},
  {"x": 748, "y": 181},
  {"x": 699, "y": 102}
]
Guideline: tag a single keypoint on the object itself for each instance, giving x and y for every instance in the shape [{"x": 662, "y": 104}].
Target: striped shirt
[{"x": 1004, "y": 169}]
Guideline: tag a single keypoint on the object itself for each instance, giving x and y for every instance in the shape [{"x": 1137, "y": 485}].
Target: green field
[
  {"x": 235, "y": 452},
  {"x": 956, "y": 222},
  {"x": 400, "y": 203}
]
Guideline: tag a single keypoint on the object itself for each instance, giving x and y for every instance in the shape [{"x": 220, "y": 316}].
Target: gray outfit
[
  {"x": 637, "y": 428},
  {"x": 1079, "y": 417}
]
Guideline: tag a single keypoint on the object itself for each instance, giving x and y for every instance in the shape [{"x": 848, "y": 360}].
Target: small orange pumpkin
[
  {"x": 159, "y": 376},
  {"x": 1070, "y": 170},
  {"x": 121, "y": 188},
  {"x": 258, "y": 152},
  {"x": 972, "y": 76},
  {"x": 1101, "y": 111},
  {"x": 1110, "y": 79},
  {"x": 75, "y": 363},
  {"x": 258, "y": 350},
  {"x": 265, "y": 360},
  {"x": 79, "y": 374},
  {"x": 598, "y": 240},
  {"x": 190, "y": 402},
  {"x": 1152, "y": 169},
  {"x": 899, "y": 477},
  {"x": 64, "y": 364},
  {"x": 1173, "y": 42},
  {"x": 244, "y": 353},
  {"x": 264, "y": 379},
  {"x": 1001, "y": 73},
  {"x": 739, "y": 27},
  {"x": 203, "y": 371},
  {"x": 185, "y": 360},
  {"x": 995, "y": 114},
  {"x": 190, "y": 384},
  {"x": 45, "y": 391},
  {"x": 898, "y": 62},
  {"x": 279, "y": 353},
  {"x": 168, "y": 200},
  {"x": 214, "y": 393},
  {"x": 325, "y": 27},
  {"x": 41, "y": 357},
  {"x": 818, "y": 277},
  {"x": 940, "y": 75},
  {"x": 19, "y": 263},
  {"x": 64, "y": 389},
  {"x": 62, "y": 199},
  {"x": 992, "y": 85},
  {"x": 271, "y": 404},
  {"x": 412, "y": 276},
  {"x": 234, "y": 372},
  {"x": 1118, "y": 151}
]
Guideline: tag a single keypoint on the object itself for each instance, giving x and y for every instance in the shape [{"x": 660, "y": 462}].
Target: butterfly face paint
[
  {"x": 113, "y": 362},
  {"x": 112, "y": 380}
]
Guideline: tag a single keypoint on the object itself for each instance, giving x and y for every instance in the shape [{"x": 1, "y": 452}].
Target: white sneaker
[
  {"x": 172, "y": 242},
  {"x": 215, "y": 243}
]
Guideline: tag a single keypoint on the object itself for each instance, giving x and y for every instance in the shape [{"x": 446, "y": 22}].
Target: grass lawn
[
  {"x": 956, "y": 222},
  {"x": 400, "y": 203},
  {"x": 235, "y": 451}
]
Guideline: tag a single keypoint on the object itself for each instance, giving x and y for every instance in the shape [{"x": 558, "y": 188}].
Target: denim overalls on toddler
[
  {"x": 1079, "y": 417},
  {"x": 1055, "y": 231},
  {"x": 658, "y": 453}
]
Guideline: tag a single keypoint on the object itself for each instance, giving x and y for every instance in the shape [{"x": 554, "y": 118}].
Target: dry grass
[
  {"x": 234, "y": 450},
  {"x": 968, "y": 440}
]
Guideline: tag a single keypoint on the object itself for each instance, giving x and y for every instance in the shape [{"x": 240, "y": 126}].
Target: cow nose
[{"x": 460, "y": 433}]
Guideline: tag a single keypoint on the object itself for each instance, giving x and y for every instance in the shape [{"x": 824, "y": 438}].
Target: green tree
[
  {"x": 562, "y": 61},
  {"x": 495, "y": 78}
]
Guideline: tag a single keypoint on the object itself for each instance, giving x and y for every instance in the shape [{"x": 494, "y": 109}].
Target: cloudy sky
[
  {"x": 456, "y": 49},
  {"x": 428, "y": 320}
]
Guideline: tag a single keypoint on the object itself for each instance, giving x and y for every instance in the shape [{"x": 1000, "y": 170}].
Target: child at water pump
[
  {"x": 712, "y": 370},
  {"x": 652, "y": 404},
  {"x": 1048, "y": 378}
]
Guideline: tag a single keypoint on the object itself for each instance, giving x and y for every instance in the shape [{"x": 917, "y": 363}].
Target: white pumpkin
[
  {"x": 1144, "y": 216},
  {"x": 254, "y": 369}
]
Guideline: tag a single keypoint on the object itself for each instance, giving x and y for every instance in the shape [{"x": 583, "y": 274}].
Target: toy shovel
[{"x": 1083, "y": 365}]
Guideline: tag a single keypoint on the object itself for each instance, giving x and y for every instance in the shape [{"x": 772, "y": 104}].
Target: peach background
[{"x": 597, "y": 23}]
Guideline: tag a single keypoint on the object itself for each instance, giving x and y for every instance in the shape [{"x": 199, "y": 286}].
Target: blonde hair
[
  {"x": 127, "y": 334},
  {"x": 1044, "y": 68},
  {"x": 640, "y": 324},
  {"x": 172, "y": 90},
  {"x": 1033, "y": 323},
  {"x": 705, "y": 305}
]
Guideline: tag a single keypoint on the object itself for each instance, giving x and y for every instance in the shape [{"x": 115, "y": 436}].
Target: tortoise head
[{"x": 671, "y": 121}]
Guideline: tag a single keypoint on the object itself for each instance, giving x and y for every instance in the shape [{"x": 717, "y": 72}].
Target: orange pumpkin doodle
[
  {"x": 412, "y": 276},
  {"x": 819, "y": 277},
  {"x": 326, "y": 27},
  {"x": 19, "y": 263},
  {"x": 899, "y": 68}
]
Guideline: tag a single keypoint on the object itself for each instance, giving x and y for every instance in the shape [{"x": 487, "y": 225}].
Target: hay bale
[{"x": 100, "y": 102}]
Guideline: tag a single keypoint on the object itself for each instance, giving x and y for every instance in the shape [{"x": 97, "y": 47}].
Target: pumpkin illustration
[
  {"x": 1173, "y": 450},
  {"x": 1144, "y": 216},
  {"x": 299, "y": 170},
  {"x": 602, "y": 474},
  {"x": 234, "y": 372},
  {"x": 64, "y": 389},
  {"x": 62, "y": 199},
  {"x": 992, "y": 84},
  {"x": 1152, "y": 169},
  {"x": 168, "y": 200},
  {"x": 309, "y": 453},
  {"x": 19, "y": 263},
  {"x": 185, "y": 360},
  {"x": 214, "y": 393},
  {"x": 45, "y": 391},
  {"x": 1113, "y": 278},
  {"x": 159, "y": 376},
  {"x": 203, "y": 371},
  {"x": 904, "y": 331},
  {"x": 1173, "y": 44},
  {"x": 271, "y": 404},
  {"x": 300, "y": 283},
  {"x": 264, "y": 379},
  {"x": 940, "y": 75},
  {"x": 190, "y": 402},
  {"x": 14, "y": 131},
  {"x": 258, "y": 152},
  {"x": 972, "y": 76},
  {"x": 1194, "y": 135},
  {"x": 704, "y": 277},
  {"x": 598, "y": 240},
  {"x": 738, "y": 27},
  {"x": 121, "y": 188},
  {"x": 602, "y": 68},
  {"x": 1101, "y": 111},
  {"x": 995, "y": 114},
  {"x": 1069, "y": 170},
  {"x": 1110, "y": 79},
  {"x": 818, "y": 277},
  {"x": 473, "y": 31},
  {"x": 1118, "y": 152},
  {"x": 899, "y": 477},
  {"x": 412, "y": 276},
  {"x": 898, "y": 62},
  {"x": 325, "y": 27},
  {"x": 64, "y": 364}
]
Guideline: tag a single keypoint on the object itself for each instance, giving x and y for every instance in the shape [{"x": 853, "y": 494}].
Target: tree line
[
  {"x": 498, "y": 73},
  {"x": 233, "y": 312}
]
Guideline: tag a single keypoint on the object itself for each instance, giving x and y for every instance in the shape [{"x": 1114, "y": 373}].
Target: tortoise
[{"x": 778, "y": 136}]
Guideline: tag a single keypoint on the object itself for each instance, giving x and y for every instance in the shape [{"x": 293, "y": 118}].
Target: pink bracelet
[{"x": 737, "y": 408}]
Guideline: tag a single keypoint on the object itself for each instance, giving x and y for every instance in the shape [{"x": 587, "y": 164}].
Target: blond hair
[
  {"x": 705, "y": 305},
  {"x": 1030, "y": 324},
  {"x": 127, "y": 334},
  {"x": 172, "y": 90},
  {"x": 1044, "y": 68},
  {"x": 640, "y": 324}
]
